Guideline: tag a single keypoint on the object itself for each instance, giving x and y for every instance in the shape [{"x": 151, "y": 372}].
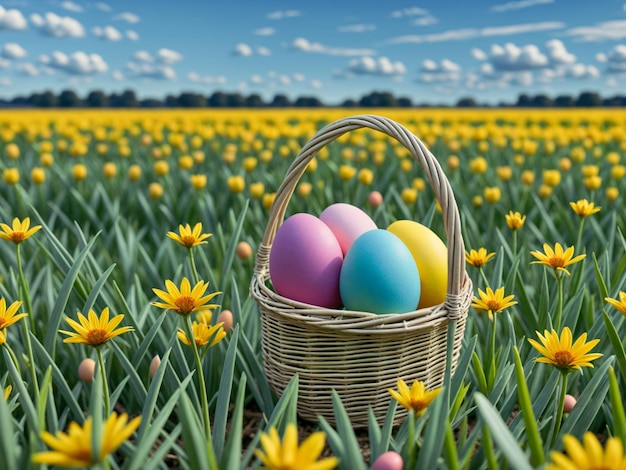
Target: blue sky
[{"x": 430, "y": 51}]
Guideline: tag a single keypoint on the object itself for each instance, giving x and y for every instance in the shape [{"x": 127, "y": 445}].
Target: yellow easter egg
[{"x": 431, "y": 257}]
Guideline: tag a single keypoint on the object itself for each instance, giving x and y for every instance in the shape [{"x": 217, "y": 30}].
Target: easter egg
[
  {"x": 305, "y": 261},
  {"x": 379, "y": 275},
  {"x": 431, "y": 257},
  {"x": 389, "y": 460},
  {"x": 347, "y": 222}
]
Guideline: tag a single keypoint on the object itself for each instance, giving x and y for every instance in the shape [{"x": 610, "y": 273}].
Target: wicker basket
[{"x": 360, "y": 355}]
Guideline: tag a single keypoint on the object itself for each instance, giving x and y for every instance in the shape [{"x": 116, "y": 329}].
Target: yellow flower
[
  {"x": 478, "y": 258},
  {"x": 109, "y": 170},
  {"x": 346, "y": 172},
  {"x": 203, "y": 334},
  {"x": 12, "y": 151},
  {"x": 478, "y": 165},
  {"x": 527, "y": 177},
  {"x": 453, "y": 162},
  {"x": 588, "y": 454},
  {"x": 198, "y": 181},
  {"x": 409, "y": 195},
  {"x": 493, "y": 302},
  {"x": 556, "y": 258},
  {"x": 94, "y": 330},
  {"x": 134, "y": 172},
  {"x": 515, "y": 220},
  {"x": 561, "y": 353},
  {"x": 620, "y": 304},
  {"x": 592, "y": 182},
  {"x": 492, "y": 194},
  {"x": 612, "y": 193},
  {"x": 7, "y": 392},
  {"x": 304, "y": 189},
  {"x": 19, "y": 231},
  {"x": 366, "y": 176},
  {"x": 185, "y": 300},
  {"x": 417, "y": 398},
  {"x": 79, "y": 172},
  {"x": 8, "y": 315},
  {"x": 11, "y": 175},
  {"x": 551, "y": 177},
  {"x": 37, "y": 175},
  {"x": 3, "y": 337},
  {"x": 74, "y": 448},
  {"x": 584, "y": 208},
  {"x": 189, "y": 237},
  {"x": 236, "y": 184},
  {"x": 287, "y": 455}
]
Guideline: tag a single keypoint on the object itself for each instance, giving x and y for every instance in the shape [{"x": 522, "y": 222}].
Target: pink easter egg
[
  {"x": 347, "y": 222},
  {"x": 305, "y": 261}
]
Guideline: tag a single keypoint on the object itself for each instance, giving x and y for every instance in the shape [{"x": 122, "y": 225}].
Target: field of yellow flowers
[{"x": 124, "y": 234}]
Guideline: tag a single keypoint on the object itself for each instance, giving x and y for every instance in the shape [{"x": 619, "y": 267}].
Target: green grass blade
[
  {"x": 195, "y": 447},
  {"x": 616, "y": 342},
  {"x": 220, "y": 418},
  {"x": 7, "y": 436},
  {"x": 232, "y": 450}
]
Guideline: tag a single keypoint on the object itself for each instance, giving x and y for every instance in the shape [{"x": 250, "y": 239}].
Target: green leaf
[
  {"x": 96, "y": 410},
  {"x": 433, "y": 443},
  {"x": 231, "y": 456},
  {"x": 223, "y": 395},
  {"x": 153, "y": 394},
  {"x": 195, "y": 447},
  {"x": 7, "y": 436},
  {"x": 24, "y": 398},
  {"x": 346, "y": 434},
  {"x": 619, "y": 418},
  {"x": 604, "y": 291},
  {"x": 501, "y": 434},
  {"x": 616, "y": 342}
]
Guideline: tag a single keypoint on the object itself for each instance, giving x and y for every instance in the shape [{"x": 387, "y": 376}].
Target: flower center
[
  {"x": 188, "y": 240},
  {"x": 563, "y": 358},
  {"x": 556, "y": 262},
  {"x": 17, "y": 237},
  {"x": 418, "y": 405},
  {"x": 3, "y": 322},
  {"x": 185, "y": 304},
  {"x": 493, "y": 305},
  {"x": 97, "y": 337}
]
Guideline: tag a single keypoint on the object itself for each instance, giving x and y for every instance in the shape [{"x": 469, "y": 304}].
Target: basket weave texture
[{"x": 360, "y": 355}]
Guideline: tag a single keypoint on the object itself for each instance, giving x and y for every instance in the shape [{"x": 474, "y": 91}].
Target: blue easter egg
[{"x": 379, "y": 275}]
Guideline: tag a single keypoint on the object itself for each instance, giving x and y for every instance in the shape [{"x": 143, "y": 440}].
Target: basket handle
[{"x": 432, "y": 169}]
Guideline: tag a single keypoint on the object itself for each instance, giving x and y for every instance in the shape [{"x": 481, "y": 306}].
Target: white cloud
[
  {"x": 284, "y": 80},
  {"x": 518, "y": 5},
  {"x": 256, "y": 79},
  {"x": 118, "y": 75},
  {"x": 13, "y": 50},
  {"x": 261, "y": 50},
  {"x": 558, "y": 54},
  {"x": 279, "y": 15},
  {"x": 303, "y": 45},
  {"x": 444, "y": 71},
  {"x": 513, "y": 58},
  {"x": 78, "y": 63},
  {"x": 168, "y": 56},
  {"x": 582, "y": 71},
  {"x": 71, "y": 6},
  {"x": 103, "y": 6},
  {"x": 425, "y": 21},
  {"x": 158, "y": 72},
  {"x": 316, "y": 84},
  {"x": 128, "y": 17},
  {"x": 522, "y": 28},
  {"x": 108, "y": 33},
  {"x": 606, "y": 31},
  {"x": 479, "y": 54},
  {"x": 143, "y": 56},
  {"x": 57, "y": 26},
  {"x": 5, "y": 81},
  {"x": 356, "y": 28},
  {"x": 616, "y": 60},
  {"x": 411, "y": 11},
  {"x": 371, "y": 66},
  {"x": 12, "y": 19},
  {"x": 243, "y": 50},
  {"x": 265, "y": 31},
  {"x": 28, "y": 69},
  {"x": 207, "y": 80},
  {"x": 132, "y": 35},
  {"x": 601, "y": 57},
  {"x": 298, "y": 77}
]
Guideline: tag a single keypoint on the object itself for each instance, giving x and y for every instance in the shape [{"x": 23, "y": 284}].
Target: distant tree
[
  {"x": 69, "y": 99},
  {"x": 616, "y": 100},
  {"x": 97, "y": 99},
  {"x": 150, "y": 103},
  {"x": 542, "y": 101},
  {"x": 405, "y": 102},
  {"x": 217, "y": 100},
  {"x": 588, "y": 99},
  {"x": 128, "y": 99},
  {"x": 254, "y": 101},
  {"x": 523, "y": 101},
  {"x": 564, "y": 101},
  {"x": 307, "y": 102},
  {"x": 191, "y": 100},
  {"x": 466, "y": 102},
  {"x": 235, "y": 100},
  {"x": 171, "y": 101},
  {"x": 280, "y": 101},
  {"x": 378, "y": 100},
  {"x": 349, "y": 103}
]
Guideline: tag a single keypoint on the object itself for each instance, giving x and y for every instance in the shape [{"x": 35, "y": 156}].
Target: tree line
[{"x": 219, "y": 99}]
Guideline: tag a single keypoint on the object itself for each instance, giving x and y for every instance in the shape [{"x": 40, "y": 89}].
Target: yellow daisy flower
[
  {"x": 588, "y": 454},
  {"x": 94, "y": 330},
  {"x": 620, "y": 304},
  {"x": 515, "y": 220},
  {"x": 204, "y": 334},
  {"x": 190, "y": 237},
  {"x": 556, "y": 258},
  {"x": 584, "y": 208},
  {"x": 417, "y": 398},
  {"x": 74, "y": 448},
  {"x": 478, "y": 258},
  {"x": 3, "y": 337},
  {"x": 19, "y": 231},
  {"x": 561, "y": 353},
  {"x": 493, "y": 302},
  {"x": 7, "y": 392},
  {"x": 185, "y": 300},
  {"x": 287, "y": 455},
  {"x": 8, "y": 315}
]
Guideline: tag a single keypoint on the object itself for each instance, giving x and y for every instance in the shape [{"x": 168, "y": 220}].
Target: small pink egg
[
  {"x": 154, "y": 365},
  {"x": 569, "y": 403},
  {"x": 347, "y": 222},
  {"x": 86, "y": 370},
  {"x": 226, "y": 317},
  {"x": 388, "y": 461},
  {"x": 244, "y": 250},
  {"x": 375, "y": 199},
  {"x": 305, "y": 261}
]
